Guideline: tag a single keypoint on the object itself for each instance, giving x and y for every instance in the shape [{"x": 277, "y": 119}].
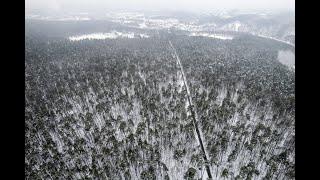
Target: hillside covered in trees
[{"x": 118, "y": 108}]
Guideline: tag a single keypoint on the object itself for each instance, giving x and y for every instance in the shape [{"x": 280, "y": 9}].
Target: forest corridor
[{"x": 193, "y": 112}]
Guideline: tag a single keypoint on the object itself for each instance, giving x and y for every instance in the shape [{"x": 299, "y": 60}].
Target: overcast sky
[{"x": 83, "y": 5}]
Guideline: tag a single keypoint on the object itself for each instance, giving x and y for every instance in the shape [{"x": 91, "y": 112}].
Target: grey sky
[{"x": 83, "y": 5}]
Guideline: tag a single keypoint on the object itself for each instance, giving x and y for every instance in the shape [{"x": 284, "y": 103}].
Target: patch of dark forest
[{"x": 116, "y": 109}]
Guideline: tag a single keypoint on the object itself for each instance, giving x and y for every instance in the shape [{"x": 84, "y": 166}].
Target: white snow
[
  {"x": 143, "y": 25},
  {"x": 268, "y": 37},
  {"x": 57, "y": 140},
  {"x": 222, "y": 94},
  {"x": 287, "y": 58},
  {"x": 111, "y": 35},
  {"x": 234, "y": 26},
  {"x": 159, "y": 23},
  {"x": 189, "y": 95},
  {"x": 144, "y": 36},
  {"x": 216, "y": 36},
  {"x": 74, "y": 18}
]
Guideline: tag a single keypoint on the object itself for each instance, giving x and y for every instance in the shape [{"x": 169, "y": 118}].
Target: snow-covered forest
[{"x": 118, "y": 108}]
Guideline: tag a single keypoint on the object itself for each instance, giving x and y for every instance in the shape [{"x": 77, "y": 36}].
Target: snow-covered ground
[
  {"x": 74, "y": 18},
  {"x": 268, "y": 37},
  {"x": 194, "y": 26},
  {"x": 287, "y": 58},
  {"x": 111, "y": 35},
  {"x": 143, "y": 21},
  {"x": 234, "y": 26}
]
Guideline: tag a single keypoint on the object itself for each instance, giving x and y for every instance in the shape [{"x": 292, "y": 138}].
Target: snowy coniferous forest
[{"x": 119, "y": 108}]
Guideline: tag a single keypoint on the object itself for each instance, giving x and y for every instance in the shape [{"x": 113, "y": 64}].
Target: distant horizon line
[{"x": 159, "y": 10}]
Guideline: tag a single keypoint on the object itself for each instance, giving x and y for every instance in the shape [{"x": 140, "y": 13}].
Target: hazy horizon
[{"x": 172, "y": 5}]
